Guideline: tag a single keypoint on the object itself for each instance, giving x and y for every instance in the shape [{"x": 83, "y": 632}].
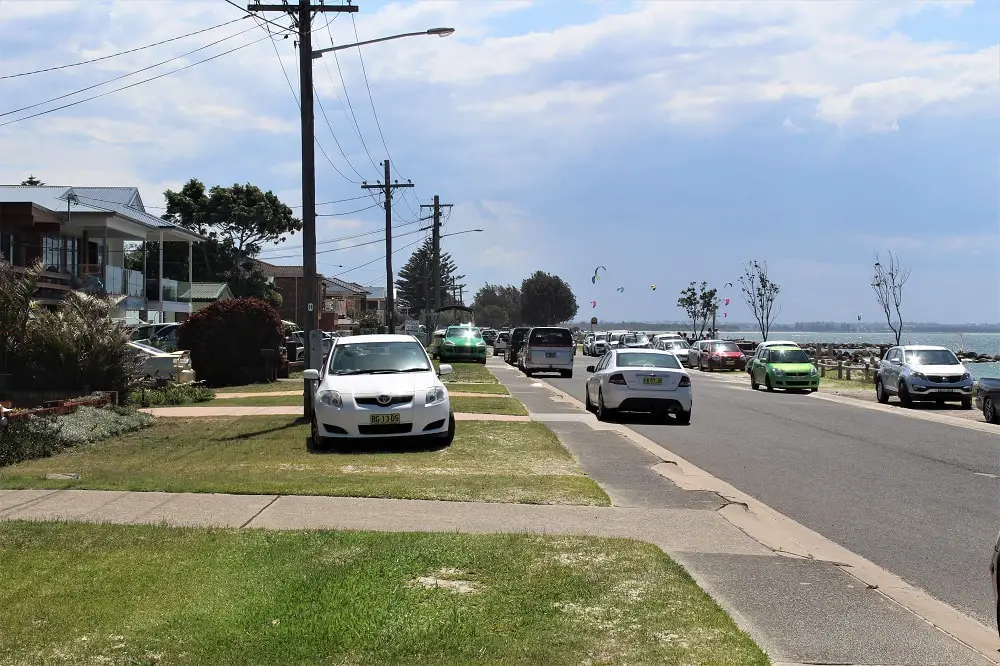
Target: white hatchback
[
  {"x": 639, "y": 380},
  {"x": 375, "y": 386}
]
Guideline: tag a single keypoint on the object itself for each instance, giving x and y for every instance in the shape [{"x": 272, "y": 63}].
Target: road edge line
[{"x": 781, "y": 534}]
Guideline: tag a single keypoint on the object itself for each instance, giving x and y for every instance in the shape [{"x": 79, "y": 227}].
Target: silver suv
[{"x": 922, "y": 372}]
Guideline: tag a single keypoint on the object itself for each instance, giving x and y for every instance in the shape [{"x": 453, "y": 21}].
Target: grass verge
[
  {"x": 468, "y": 405},
  {"x": 488, "y": 462},
  {"x": 78, "y": 593},
  {"x": 471, "y": 373},
  {"x": 280, "y": 385},
  {"x": 458, "y": 387}
]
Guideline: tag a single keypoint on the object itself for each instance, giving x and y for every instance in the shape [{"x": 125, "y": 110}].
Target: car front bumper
[
  {"x": 355, "y": 421},
  {"x": 458, "y": 352},
  {"x": 646, "y": 400},
  {"x": 923, "y": 387},
  {"x": 795, "y": 382}
]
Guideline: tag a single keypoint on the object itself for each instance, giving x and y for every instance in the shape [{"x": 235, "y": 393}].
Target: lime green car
[
  {"x": 785, "y": 368},
  {"x": 462, "y": 343}
]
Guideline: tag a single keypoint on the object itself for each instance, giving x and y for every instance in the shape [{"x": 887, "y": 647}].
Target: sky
[{"x": 669, "y": 141}]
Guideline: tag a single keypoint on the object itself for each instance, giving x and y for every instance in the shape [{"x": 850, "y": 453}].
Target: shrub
[
  {"x": 226, "y": 338},
  {"x": 43, "y": 436},
  {"x": 174, "y": 394}
]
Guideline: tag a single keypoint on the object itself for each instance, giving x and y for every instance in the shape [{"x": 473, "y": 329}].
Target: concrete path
[
  {"x": 289, "y": 410},
  {"x": 460, "y": 394}
]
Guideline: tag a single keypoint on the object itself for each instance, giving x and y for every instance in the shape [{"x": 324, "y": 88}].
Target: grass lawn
[
  {"x": 498, "y": 389},
  {"x": 95, "y": 594},
  {"x": 280, "y": 385},
  {"x": 471, "y": 373},
  {"x": 468, "y": 405},
  {"x": 488, "y": 462}
]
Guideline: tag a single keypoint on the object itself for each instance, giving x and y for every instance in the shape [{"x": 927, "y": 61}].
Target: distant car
[
  {"x": 639, "y": 380},
  {"x": 437, "y": 338},
  {"x": 599, "y": 347},
  {"x": 515, "y": 343},
  {"x": 786, "y": 368},
  {"x": 548, "y": 349},
  {"x": 697, "y": 349},
  {"x": 988, "y": 399},
  {"x": 168, "y": 366},
  {"x": 462, "y": 343},
  {"x": 994, "y": 574},
  {"x": 161, "y": 336},
  {"x": 635, "y": 340},
  {"x": 489, "y": 336},
  {"x": 722, "y": 356},
  {"x": 500, "y": 344},
  {"x": 923, "y": 372},
  {"x": 375, "y": 386},
  {"x": 588, "y": 344},
  {"x": 676, "y": 346}
]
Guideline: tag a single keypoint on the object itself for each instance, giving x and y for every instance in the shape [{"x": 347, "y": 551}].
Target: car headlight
[
  {"x": 813, "y": 372},
  {"x": 330, "y": 398},
  {"x": 966, "y": 376},
  {"x": 919, "y": 375},
  {"x": 777, "y": 372},
  {"x": 480, "y": 344},
  {"x": 449, "y": 342},
  {"x": 435, "y": 395}
]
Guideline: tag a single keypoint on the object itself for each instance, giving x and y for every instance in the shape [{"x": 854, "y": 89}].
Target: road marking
[
  {"x": 987, "y": 475},
  {"x": 783, "y": 535}
]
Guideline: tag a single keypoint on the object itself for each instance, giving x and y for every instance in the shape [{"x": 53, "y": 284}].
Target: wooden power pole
[{"x": 387, "y": 188}]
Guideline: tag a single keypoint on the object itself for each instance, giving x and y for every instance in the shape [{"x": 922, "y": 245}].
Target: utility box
[{"x": 315, "y": 359}]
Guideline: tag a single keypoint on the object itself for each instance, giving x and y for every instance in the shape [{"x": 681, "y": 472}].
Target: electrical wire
[
  {"x": 347, "y": 97},
  {"x": 131, "y": 85},
  {"x": 349, "y": 212},
  {"x": 346, "y": 247},
  {"x": 329, "y": 126},
  {"x": 250, "y": 13},
  {"x": 345, "y": 238},
  {"x": 369, "y": 263},
  {"x": 121, "y": 53},
  {"x": 142, "y": 210},
  {"x": 124, "y": 76}
]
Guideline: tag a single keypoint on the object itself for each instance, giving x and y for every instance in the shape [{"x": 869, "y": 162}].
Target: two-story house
[
  {"x": 346, "y": 299},
  {"x": 80, "y": 235}
]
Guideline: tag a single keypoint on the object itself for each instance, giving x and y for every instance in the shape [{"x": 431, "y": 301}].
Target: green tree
[
  {"x": 415, "y": 281},
  {"x": 497, "y": 305},
  {"x": 699, "y": 303},
  {"x": 238, "y": 221},
  {"x": 546, "y": 300},
  {"x": 32, "y": 181},
  {"x": 760, "y": 294}
]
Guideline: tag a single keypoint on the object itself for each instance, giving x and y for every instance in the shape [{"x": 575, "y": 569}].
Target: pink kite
[
  {"x": 726, "y": 302},
  {"x": 593, "y": 304}
]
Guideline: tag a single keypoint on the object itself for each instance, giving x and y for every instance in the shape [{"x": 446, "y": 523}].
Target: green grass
[
  {"x": 280, "y": 385},
  {"x": 457, "y": 387},
  {"x": 79, "y": 593},
  {"x": 469, "y": 405},
  {"x": 469, "y": 373},
  {"x": 488, "y": 462}
]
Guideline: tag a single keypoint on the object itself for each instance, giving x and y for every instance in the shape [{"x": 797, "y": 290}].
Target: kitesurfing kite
[
  {"x": 597, "y": 277},
  {"x": 653, "y": 287},
  {"x": 621, "y": 289},
  {"x": 593, "y": 304},
  {"x": 726, "y": 302}
]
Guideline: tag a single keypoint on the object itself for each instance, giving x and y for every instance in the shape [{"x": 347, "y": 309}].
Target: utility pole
[
  {"x": 436, "y": 247},
  {"x": 387, "y": 188},
  {"x": 303, "y": 19}
]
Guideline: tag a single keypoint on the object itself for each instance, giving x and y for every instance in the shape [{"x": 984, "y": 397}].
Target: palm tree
[{"x": 17, "y": 303}]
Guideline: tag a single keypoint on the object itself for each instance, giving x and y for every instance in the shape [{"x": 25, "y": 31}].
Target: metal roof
[{"x": 206, "y": 291}]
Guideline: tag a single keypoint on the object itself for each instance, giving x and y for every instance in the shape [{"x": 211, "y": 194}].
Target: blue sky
[{"x": 668, "y": 141}]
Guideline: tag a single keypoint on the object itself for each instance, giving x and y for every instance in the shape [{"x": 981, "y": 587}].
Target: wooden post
[
  {"x": 840, "y": 369},
  {"x": 848, "y": 373}
]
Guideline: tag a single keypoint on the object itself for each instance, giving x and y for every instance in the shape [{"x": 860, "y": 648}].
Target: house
[
  {"x": 80, "y": 235},
  {"x": 289, "y": 281},
  {"x": 376, "y": 301},
  {"x": 344, "y": 299},
  {"x": 203, "y": 294}
]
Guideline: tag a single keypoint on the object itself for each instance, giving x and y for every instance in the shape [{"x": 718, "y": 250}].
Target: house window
[
  {"x": 72, "y": 262},
  {"x": 52, "y": 253},
  {"x": 7, "y": 247}
]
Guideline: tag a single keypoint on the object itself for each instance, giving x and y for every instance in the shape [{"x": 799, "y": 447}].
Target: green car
[
  {"x": 462, "y": 343},
  {"x": 785, "y": 368}
]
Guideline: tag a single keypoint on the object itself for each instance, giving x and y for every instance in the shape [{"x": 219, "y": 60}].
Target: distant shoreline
[{"x": 837, "y": 329}]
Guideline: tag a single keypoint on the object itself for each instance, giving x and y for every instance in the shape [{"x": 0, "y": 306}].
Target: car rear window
[
  {"x": 504, "y": 337},
  {"x": 551, "y": 337},
  {"x": 637, "y": 360},
  {"x": 725, "y": 347}
]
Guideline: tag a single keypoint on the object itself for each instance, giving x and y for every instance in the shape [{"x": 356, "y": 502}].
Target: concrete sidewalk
[{"x": 289, "y": 410}]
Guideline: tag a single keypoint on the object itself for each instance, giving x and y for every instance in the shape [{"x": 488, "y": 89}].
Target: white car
[
  {"x": 376, "y": 386},
  {"x": 500, "y": 344},
  {"x": 676, "y": 346},
  {"x": 158, "y": 364},
  {"x": 639, "y": 380}
]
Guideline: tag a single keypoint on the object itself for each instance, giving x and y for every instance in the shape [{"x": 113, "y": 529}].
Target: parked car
[
  {"x": 588, "y": 342},
  {"x": 599, "y": 347},
  {"x": 615, "y": 339},
  {"x": 375, "y": 386},
  {"x": 299, "y": 338},
  {"x": 635, "y": 340},
  {"x": 157, "y": 335},
  {"x": 677, "y": 346},
  {"x": 500, "y": 344},
  {"x": 548, "y": 349},
  {"x": 988, "y": 399},
  {"x": 489, "y": 335},
  {"x": 697, "y": 349},
  {"x": 722, "y": 356},
  {"x": 436, "y": 339},
  {"x": 785, "y": 368},
  {"x": 158, "y": 364},
  {"x": 462, "y": 343},
  {"x": 515, "y": 343},
  {"x": 994, "y": 574},
  {"x": 639, "y": 380},
  {"x": 768, "y": 344},
  {"x": 923, "y": 372}
]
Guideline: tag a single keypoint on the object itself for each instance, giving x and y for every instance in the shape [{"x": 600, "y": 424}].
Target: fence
[
  {"x": 862, "y": 373},
  {"x": 61, "y": 407}
]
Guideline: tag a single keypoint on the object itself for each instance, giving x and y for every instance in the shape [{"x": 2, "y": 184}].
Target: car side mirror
[
  {"x": 896, "y": 361},
  {"x": 444, "y": 369},
  {"x": 311, "y": 375},
  {"x": 591, "y": 369}
]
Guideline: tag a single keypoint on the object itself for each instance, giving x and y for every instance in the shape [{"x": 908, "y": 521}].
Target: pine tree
[{"x": 415, "y": 281}]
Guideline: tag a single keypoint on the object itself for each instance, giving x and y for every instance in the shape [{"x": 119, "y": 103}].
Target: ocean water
[{"x": 981, "y": 343}]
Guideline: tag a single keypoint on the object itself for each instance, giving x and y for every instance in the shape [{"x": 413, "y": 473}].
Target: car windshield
[
  {"x": 931, "y": 357},
  {"x": 601, "y": 337},
  {"x": 463, "y": 332},
  {"x": 503, "y": 336},
  {"x": 648, "y": 361},
  {"x": 147, "y": 348},
  {"x": 789, "y": 356},
  {"x": 369, "y": 358},
  {"x": 678, "y": 344},
  {"x": 551, "y": 337},
  {"x": 635, "y": 339},
  {"x": 725, "y": 347}
]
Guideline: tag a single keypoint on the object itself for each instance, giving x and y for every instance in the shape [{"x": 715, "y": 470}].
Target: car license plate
[
  {"x": 384, "y": 419},
  {"x": 730, "y": 362},
  {"x": 652, "y": 380},
  {"x": 550, "y": 354}
]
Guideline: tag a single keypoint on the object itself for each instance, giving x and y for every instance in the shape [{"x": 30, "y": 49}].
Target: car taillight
[
  {"x": 618, "y": 379},
  {"x": 685, "y": 381}
]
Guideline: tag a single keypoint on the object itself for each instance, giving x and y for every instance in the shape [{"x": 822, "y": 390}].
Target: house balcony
[
  {"x": 171, "y": 293},
  {"x": 115, "y": 281}
]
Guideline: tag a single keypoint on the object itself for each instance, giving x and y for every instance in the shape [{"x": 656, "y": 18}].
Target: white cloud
[{"x": 789, "y": 125}]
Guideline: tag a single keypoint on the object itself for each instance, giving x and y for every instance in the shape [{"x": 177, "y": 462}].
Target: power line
[
  {"x": 249, "y": 13},
  {"x": 131, "y": 85},
  {"x": 346, "y": 247},
  {"x": 349, "y": 212},
  {"x": 329, "y": 126},
  {"x": 347, "y": 97},
  {"x": 369, "y": 263},
  {"x": 345, "y": 238},
  {"x": 121, "y": 53},
  {"x": 124, "y": 76},
  {"x": 141, "y": 210}
]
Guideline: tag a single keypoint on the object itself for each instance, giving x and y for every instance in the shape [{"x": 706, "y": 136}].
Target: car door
[
  {"x": 893, "y": 367},
  {"x": 759, "y": 365},
  {"x": 594, "y": 381}
]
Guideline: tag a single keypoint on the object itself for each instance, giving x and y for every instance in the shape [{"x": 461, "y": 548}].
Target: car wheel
[
  {"x": 318, "y": 441},
  {"x": 767, "y": 383},
  {"x": 587, "y": 404},
  {"x": 449, "y": 437},
  {"x": 904, "y": 395},
  {"x": 683, "y": 417},
  {"x": 966, "y": 403},
  {"x": 880, "y": 393},
  {"x": 990, "y": 411},
  {"x": 603, "y": 413},
  {"x": 494, "y": 352},
  {"x": 566, "y": 374},
  {"x": 753, "y": 383}
]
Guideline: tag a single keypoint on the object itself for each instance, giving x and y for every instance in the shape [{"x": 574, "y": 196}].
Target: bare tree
[
  {"x": 888, "y": 284},
  {"x": 760, "y": 294}
]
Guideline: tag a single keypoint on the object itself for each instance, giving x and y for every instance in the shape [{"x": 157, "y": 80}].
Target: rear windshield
[
  {"x": 931, "y": 357},
  {"x": 677, "y": 344},
  {"x": 725, "y": 347},
  {"x": 635, "y": 338},
  {"x": 551, "y": 337},
  {"x": 789, "y": 356},
  {"x": 634, "y": 360},
  {"x": 504, "y": 336}
]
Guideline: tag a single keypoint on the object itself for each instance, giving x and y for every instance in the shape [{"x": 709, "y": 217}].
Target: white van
[{"x": 548, "y": 349}]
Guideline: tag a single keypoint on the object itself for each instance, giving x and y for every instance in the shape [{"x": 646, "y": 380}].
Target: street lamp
[{"x": 439, "y": 32}]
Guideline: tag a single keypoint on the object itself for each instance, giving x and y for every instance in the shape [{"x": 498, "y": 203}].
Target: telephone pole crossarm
[{"x": 387, "y": 187}]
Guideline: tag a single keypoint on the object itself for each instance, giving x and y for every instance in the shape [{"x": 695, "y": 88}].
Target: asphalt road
[{"x": 918, "y": 498}]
